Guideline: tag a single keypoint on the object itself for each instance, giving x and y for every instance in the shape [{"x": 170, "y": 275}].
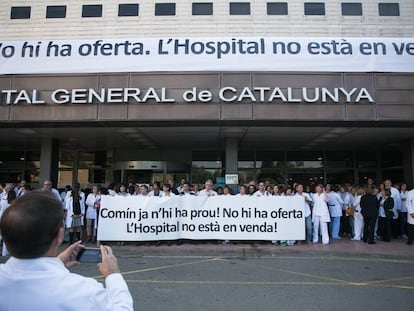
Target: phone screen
[{"x": 90, "y": 255}]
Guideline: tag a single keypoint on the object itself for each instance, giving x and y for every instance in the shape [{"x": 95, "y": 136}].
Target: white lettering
[
  {"x": 364, "y": 94},
  {"x": 229, "y": 89}
]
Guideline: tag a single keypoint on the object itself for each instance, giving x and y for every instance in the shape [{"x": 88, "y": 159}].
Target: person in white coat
[
  {"x": 47, "y": 186},
  {"x": 75, "y": 210},
  {"x": 395, "y": 194},
  {"x": 410, "y": 217},
  {"x": 91, "y": 202},
  {"x": 7, "y": 199},
  {"x": 308, "y": 212},
  {"x": 402, "y": 215},
  {"x": 358, "y": 218},
  {"x": 335, "y": 204},
  {"x": 320, "y": 215},
  {"x": 37, "y": 278}
]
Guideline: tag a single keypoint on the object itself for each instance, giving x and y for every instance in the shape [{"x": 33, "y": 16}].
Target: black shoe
[
  {"x": 409, "y": 243},
  {"x": 372, "y": 242}
]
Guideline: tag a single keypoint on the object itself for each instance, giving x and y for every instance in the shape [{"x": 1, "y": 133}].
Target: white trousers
[
  {"x": 358, "y": 228},
  {"x": 4, "y": 251},
  {"x": 324, "y": 230}
]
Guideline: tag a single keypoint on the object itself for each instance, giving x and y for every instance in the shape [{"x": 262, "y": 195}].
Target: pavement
[{"x": 344, "y": 275}]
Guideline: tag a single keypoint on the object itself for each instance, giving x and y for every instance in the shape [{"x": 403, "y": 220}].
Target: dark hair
[
  {"x": 76, "y": 192},
  {"x": 11, "y": 196},
  {"x": 103, "y": 191},
  {"x": 144, "y": 186},
  {"x": 167, "y": 185},
  {"x": 31, "y": 223}
]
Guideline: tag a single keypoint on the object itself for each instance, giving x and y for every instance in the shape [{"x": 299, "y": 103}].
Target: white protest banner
[
  {"x": 194, "y": 217},
  {"x": 321, "y": 54}
]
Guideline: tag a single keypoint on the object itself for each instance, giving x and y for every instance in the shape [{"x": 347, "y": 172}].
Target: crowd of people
[{"x": 366, "y": 212}]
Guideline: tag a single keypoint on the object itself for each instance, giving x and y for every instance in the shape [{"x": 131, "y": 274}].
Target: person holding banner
[
  {"x": 156, "y": 192},
  {"x": 92, "y": 203},
  {"x": 261, "y": 192},
  {"x": 167, "y": 190},
  {"x": 308, "y": 211},
  {"x": 37, "y": 278},
  {"x": 208, "y": 189},
  {"x": 320, "y": 216}
]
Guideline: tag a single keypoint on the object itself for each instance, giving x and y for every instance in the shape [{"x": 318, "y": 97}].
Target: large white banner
[
  {"x": 193, "y": 217},
  {"x": 326, "y": 54}
]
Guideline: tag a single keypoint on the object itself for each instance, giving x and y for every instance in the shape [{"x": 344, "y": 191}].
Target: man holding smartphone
[{"x": 37, "y": 278}]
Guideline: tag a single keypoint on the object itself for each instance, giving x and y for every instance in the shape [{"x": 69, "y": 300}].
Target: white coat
[
  {"x": 45, "y": 284},
  {"x": 320, "y": 208},
  {"x": 410, "y": 207},
  {"x": 357, "y": 207},
  {"x": 358, "y": 218},
  {"x": 403, "y": 197},
  {"x": 335, "y": 204},
  {"x": 69, "y": 208},
  {"x": 306, "y": 204},
  {"x": 90, "y": 202},
  {"x": 395, "y": 194}
]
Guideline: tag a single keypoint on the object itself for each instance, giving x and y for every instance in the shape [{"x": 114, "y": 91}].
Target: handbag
[{"x": 350, "y": 211}]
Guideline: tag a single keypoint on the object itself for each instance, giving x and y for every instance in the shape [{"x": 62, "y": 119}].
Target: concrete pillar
[
  {"x": 232, "y": 159},
  {"x": 408, "y": 162},
  {"x": 231, "y": 155},
  {"x": 49, "y": 160}
]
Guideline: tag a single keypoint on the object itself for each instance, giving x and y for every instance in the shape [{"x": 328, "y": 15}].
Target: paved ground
[{"x": 344, "y": 275}]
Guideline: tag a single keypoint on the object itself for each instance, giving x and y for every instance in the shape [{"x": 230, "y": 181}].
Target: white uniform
[
  {"x": 306, "y": 204},
  {"x": 56, "y": 194},
  {"x": 358, "y": 219},
  {"x": 45, "y": 284},
  {"x": 4, "y": 204},
  {"x": 320, "y": 217},
  {"x": 258, "y": 193},
  {"x": 69, "y": 208},
  {"x": 335, "y": 203},
  {"x": 152, "y": 194},
  {"x": 403, "y": 197},
  {"x": 91, "y": 200},
  {"x": 395, "y": 194},
  {"x": 206, "y": 193},
  {"x": 410, "y": 206}
]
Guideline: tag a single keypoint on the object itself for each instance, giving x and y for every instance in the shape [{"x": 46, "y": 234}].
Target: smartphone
[{"x": 89, "y": 254}]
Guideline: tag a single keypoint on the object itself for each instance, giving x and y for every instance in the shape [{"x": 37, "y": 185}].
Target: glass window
[
  {"x": 164, "y": 9},
  {"x": 391, "y": 159},
  {"x": 340, "y": 159},
  {"x": 305, "y": 160},
  {"x": 64, "y": 178},
  {"x": 277, "y": 8},
  {"x": 340, "y": 177},
  {"x": 239, "y": 8},
  {"x": 56, "y": 11},
  {"x": 92, "y": 10},
  {"x": 245, "y": 159},
  {"x": 314, "y": 8},
  {"x": 389, "y": 9},
  {"x": 351, "y": 9},
  {"x": 202, "y": 8},
  {"x": 20, "y": 12},
  {"x": 128, "y": 9},
  {"x": 270, "y": 159},
  {"x": 366, "y": 159}
]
